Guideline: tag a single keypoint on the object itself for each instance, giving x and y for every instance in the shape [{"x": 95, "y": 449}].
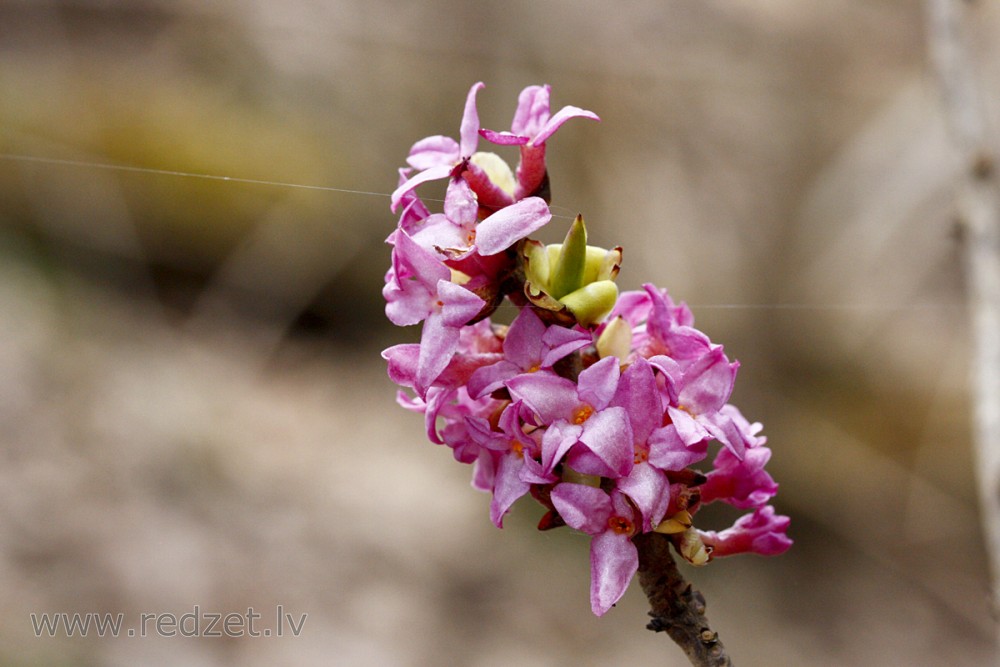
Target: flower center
[
  {"x": 620, "y": 525},
  {"x": 582, "y": 413},
  {"x": 518, "y": 449}
]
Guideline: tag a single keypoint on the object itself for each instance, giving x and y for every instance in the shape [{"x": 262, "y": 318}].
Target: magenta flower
[
  {"x": 699, "y": 393},
  {"x": 584, "y": 425},
  {"x": 530, "y": 129},
  {"x": 517, "y": 450},
  {"x": 528, "y": 347},
  {"x": 646, "y": 485},
  {"x": 439, "y": 157},
  {"x": 455, "y": 233},
  {"x": 743, "y": 484},
  {"x": 661, "y": 326},
  {"x": 414, "y": 211},
  {"x": 611, "y": 523},
  {"x": 420, "y": 290},
  {"x": 762, "y": 532}
]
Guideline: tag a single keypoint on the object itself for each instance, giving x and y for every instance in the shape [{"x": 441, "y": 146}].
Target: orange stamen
[{"x": 582, "y": 413}]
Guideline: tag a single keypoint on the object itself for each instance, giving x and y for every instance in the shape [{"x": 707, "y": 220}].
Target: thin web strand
[{"x": 13, "y": 157}]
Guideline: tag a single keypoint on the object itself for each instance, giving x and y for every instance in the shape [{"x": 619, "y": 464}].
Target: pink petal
[
  {"x": 402, "y": 309},
  {"x": 438, "y": 233},
  {"x": 688, "y": 429},
  {"x": 433, "y": 152},
  {"x": 532, "y": 111},
  {"x": 402, "y": 363},
  {"x": 562, "y": 342},
  {"x": 469, "y": 131},
  {"x": 633, "y": 306},
  {"x": 430, "y": 174},
  {"x": 484, "y": 471},
  {"x": 638, "y": 394},
  {"x": 614, "y": 560},
  {"x": 437, "y": 346},
  {"x": 708, "y": 382},
  {"x": 742, "y": 484},
  {"x": 608, "y": 435},
  {"x": 511, "y": 224},
  {"x": 559, "y": 438},
  {"x": 488, "y": 379},
  {"x": 413, "y": 261},
  {"x": 507, "y": 488},
  {"x": 551, "y": 397},
  {"x": 599, "y": 382},
  {"x": 668, "y": 452},
  {"x": 558, "y": 119},
  {"x": 585, "y": 508},
  {"x": 459, "y": 305},
  {"x": 649, "y": 490},
  {"x": 534, "y": 473},
  {"x": 460, "y": 203},
  {"x": 503, "y": 138},
  {"x": 723, "y": 430},
  {"x": 437, "y": 400},
  {"x": 523, "y": 345}
]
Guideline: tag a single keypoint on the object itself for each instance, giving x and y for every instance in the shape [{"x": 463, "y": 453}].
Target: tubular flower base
[{"x": 602, "y": 405}]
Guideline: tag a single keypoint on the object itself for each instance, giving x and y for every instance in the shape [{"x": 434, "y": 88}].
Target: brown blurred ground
[{"x": 192, "y": 406}]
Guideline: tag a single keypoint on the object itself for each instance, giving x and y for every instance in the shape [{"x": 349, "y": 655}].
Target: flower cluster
[{"x": 596, "y": 403}]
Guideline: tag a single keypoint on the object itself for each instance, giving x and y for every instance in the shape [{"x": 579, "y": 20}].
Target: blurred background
[{"x": 193, "y": 409}]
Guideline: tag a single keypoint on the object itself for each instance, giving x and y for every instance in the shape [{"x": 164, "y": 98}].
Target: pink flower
[
  {"x": 742, "y": 484},
  {"x": 762, "y": 532},
  {"x": 455, "y": 233},
  {"x": 646, "y": 485},
  {"x": 610, "y": 520},
  {"x": 517, "y": 450},
  {"x": 419, "y": 289},
  {"x": 583, "y": 424},
  {"x": 699, "y": 392},
  {"x": 437, "y": 157},
  {"x": 528, "y": 347},
  {"x": 530, "y": 129}
]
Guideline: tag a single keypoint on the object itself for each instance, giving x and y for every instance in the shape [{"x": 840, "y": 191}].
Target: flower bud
[
  {"x": 567, "y": 273},
  {"x": 496, "y": 169},
  {"x": 693, "y": 549},
  {"x": 571, "y": 280},
  {"x": 615, "y": 340}
]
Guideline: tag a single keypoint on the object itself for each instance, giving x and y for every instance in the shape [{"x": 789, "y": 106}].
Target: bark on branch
[{"x": 676, "y": 607}]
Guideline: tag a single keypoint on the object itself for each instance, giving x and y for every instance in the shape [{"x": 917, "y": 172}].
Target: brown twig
[{"x": 676, "y": 607}]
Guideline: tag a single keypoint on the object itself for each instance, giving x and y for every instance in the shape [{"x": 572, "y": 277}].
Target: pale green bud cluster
[{"x": 572, "y": 280}]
